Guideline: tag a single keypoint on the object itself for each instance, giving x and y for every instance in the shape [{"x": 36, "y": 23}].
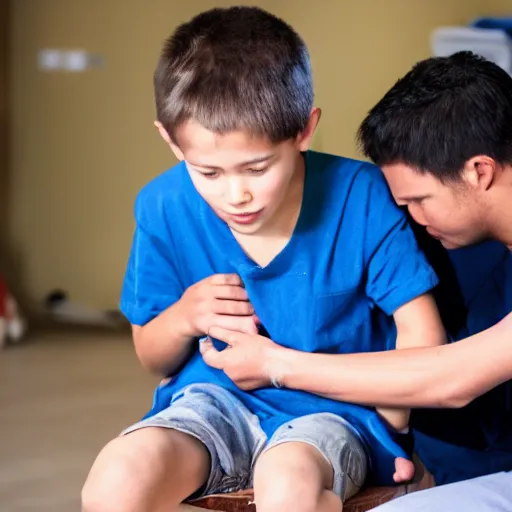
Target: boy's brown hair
[{"x": 239, "y": 68}]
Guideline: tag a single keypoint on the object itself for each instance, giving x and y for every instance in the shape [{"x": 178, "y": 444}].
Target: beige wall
[
  {"x": 4, "y": 121},
  {"x": 83, "y": 145}
]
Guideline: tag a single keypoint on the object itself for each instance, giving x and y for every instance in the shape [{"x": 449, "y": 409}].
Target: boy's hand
[
  {"x": 404, "y": 470},
  {"x": 219, "y": 300}
]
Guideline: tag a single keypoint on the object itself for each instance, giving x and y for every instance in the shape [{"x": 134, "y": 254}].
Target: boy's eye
[
  {"x": 257, "y": 171},
  {"x": 212, "y": 174}
]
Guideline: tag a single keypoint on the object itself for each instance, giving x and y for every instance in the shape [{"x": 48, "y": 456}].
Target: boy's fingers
[
  {"x": 237, "y": 323},
  {"x": 230, "y": 292},
  {"x": 232, "y": 338},
  {"x": 226, "y": 280},
  {"x": 211, "y": 356},
  {"x": 233, "y": 307}
]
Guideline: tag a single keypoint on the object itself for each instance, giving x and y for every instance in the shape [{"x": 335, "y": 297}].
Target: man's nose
[{"x": 417, "y": 214}]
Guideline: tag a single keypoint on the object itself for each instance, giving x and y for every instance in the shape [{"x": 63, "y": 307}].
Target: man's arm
[
  {"x": 418, "y": 325},
  {"x": 446, "y": 376}
]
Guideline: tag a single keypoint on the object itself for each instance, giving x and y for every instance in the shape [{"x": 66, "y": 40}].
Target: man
[{"x": 443, "y": 138}]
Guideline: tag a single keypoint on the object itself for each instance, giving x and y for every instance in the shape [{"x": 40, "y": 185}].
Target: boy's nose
[{"x": 237, "y": 193}]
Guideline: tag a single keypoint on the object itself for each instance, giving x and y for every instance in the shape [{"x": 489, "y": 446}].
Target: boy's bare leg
[
  {"x": 294, "y": 476},
  {"x": 149, "y": 470}
]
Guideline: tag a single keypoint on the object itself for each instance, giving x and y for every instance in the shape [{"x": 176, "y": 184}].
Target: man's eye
[{"x": 258, "y": 171}]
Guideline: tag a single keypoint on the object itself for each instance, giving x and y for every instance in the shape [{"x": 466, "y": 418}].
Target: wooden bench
[{"x": 367, "y": 499}]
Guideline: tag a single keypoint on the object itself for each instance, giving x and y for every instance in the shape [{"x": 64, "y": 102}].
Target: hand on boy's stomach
[
  {"x": 251, "y": 362},
  {"x": 219, "y": 300}
]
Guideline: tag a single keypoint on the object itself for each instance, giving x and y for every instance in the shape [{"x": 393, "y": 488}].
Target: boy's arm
[
  {"x": 418, "y": 324},
  {"x": 166, "y": 315},
  {"x": 152, "y": 290},
  {"x": 163, "y": 344}
]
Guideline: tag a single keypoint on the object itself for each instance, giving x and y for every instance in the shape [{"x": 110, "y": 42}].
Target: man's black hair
[{"x": 442, "y": 113}]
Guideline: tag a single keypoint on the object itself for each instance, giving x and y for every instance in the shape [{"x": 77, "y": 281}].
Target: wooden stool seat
[
  {"x": 367, "y": 499},
  {"x": 243, "y": 501}
]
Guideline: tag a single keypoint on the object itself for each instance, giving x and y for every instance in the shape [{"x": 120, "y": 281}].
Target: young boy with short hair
[{"x": 253, "y": 232}]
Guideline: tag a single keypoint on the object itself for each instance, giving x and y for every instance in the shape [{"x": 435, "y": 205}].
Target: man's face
[
  {"x": 451, "y": 212},
  {"x": 246, "y": 180}
]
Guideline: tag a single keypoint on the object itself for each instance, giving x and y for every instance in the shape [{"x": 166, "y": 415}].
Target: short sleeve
[
  {"x": 397, "y": 269},
  {"x": 151, "y": 283}
]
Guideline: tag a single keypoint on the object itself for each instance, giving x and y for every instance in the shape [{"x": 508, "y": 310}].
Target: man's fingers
[
  {"x": 226, "y": 280},
  {"x": 211, "y": 356},
  {"x": 230, "y": 337},
  {"x": 230, "y": 293}
]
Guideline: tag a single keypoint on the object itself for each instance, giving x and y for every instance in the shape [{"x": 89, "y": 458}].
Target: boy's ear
[
  {"x": 305, "y": 137},
  {"x": 163, "y": 133},
  {"x": 480, "y": 172}
]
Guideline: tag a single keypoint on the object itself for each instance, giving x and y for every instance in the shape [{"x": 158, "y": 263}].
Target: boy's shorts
[{"x": 235, "y": 440}]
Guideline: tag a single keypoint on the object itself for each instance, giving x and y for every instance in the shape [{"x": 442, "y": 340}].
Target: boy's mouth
[{"x": 245, "y": 218}]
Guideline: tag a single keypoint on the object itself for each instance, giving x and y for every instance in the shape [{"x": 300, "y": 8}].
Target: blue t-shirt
[{"x": 351, "y": 262}]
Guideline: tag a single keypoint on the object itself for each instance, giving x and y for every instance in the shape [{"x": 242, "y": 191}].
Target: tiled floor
[{"x": 63, "y": 396}]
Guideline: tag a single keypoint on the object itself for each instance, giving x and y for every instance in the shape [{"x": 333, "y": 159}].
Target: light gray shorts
[{"x": 235, "y": 439}]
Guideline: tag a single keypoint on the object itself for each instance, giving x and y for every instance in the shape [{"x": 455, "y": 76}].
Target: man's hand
[
  {"x": 250, "y": 361},
  {"x": 219, "y": 300}
]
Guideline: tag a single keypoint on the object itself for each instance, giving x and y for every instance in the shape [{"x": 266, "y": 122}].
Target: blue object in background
[{"x": 504, "y": 24}]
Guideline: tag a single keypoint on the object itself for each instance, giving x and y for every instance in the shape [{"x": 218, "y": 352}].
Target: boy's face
[
  {"x": 249, "y": 182},
  {"x": 456, "y": 213}
]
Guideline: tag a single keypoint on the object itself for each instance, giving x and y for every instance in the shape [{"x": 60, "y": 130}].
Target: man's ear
[
  {"x": 480, "y": 172},
  {"x": 305, "y": 137},
  {"x": 165, "y": 135}
]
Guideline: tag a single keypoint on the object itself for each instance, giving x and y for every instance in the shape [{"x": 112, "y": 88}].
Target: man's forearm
[
  {"x": 446, "y": 376},
  {"x": 163, "y": 344}
]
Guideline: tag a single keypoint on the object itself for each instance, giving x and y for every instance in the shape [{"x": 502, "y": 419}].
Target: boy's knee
[
  {"x": 291, "y": 476},
  {"x": 133, "y": 472},
  {"x": 119, "y": 476},
  {"x": 288, "y": 493},
  {"x": 279, "y": 497},
  {"x": 287, "y": 490},
  {"x": 110, "y": 478}
]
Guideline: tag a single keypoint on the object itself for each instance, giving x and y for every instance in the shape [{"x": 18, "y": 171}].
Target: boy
[{"x": 252, "y": 232}]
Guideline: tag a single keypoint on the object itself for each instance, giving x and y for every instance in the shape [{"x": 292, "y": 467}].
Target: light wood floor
[{"x": 62, "y": 397}]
